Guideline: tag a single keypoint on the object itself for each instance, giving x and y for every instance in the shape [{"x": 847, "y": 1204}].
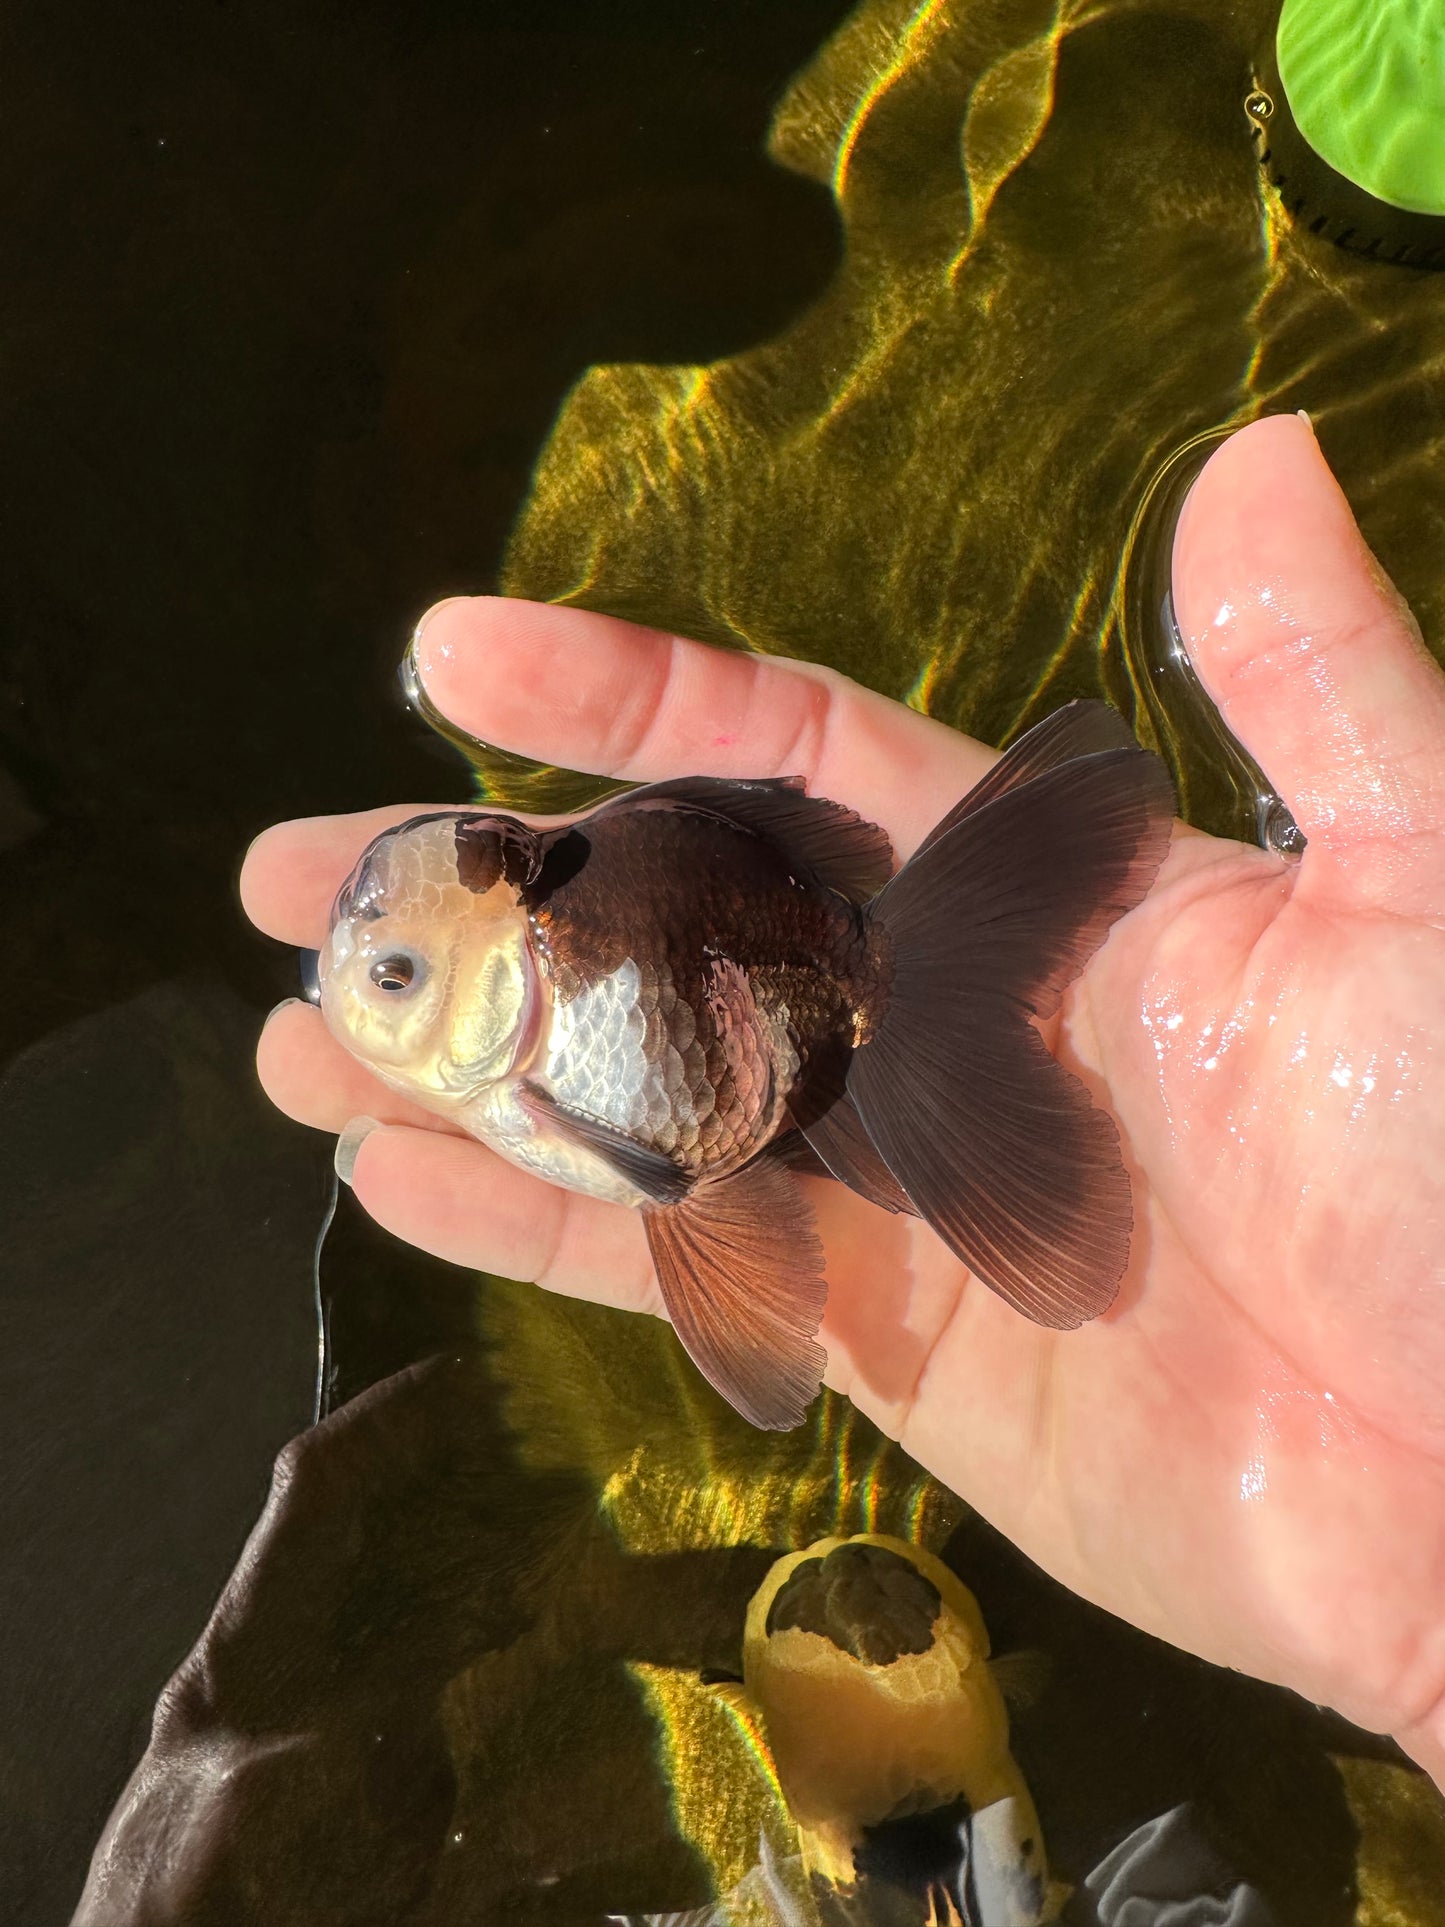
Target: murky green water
[{"x": 303, "y": 303}]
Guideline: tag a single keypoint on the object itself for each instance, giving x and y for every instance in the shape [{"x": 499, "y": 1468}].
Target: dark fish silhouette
[{"x": 703, "y": 986}]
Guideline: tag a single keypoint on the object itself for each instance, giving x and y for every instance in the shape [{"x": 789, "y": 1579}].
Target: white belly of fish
[
  {"x": 608, "y": 1057},
  {"x": 501, "y": 1120},
  {"x": 604, "y": 1058}
]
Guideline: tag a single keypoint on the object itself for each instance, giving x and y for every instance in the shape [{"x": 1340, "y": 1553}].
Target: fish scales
[{"x": 645, "y": 1034}]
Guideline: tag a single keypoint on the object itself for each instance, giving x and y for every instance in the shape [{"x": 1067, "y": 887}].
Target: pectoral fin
[
  {"x": 651, "y": 1171},
  {"x": 740, "y": 1264},
  {"x": 1022, "y": 1677}
]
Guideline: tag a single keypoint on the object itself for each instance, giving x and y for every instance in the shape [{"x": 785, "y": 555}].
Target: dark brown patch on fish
[
  {"x": 865, "y": 1600},
  {"x": 491, "y": 848}
]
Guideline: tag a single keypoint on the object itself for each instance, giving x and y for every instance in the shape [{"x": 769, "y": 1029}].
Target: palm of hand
[
  {"x": 1243, "y": 1455},
  {"x": 1247, "y": 1453},
  {"x": 1265, "y": 1399}
]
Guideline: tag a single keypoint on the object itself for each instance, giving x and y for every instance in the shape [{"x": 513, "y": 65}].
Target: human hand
[{"x": 1246, "y": 1454}]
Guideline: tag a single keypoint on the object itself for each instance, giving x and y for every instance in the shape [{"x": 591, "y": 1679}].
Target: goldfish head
[{"x": 427, "y": 973}]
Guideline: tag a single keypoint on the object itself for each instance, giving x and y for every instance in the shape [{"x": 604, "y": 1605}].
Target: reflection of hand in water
[{"x": 1247, "y": 1454}]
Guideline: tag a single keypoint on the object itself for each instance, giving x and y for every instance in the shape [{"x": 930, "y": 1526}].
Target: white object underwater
[
  {"x": 1164, "y": 1870},
  {"x": 992, "y": 1890}
]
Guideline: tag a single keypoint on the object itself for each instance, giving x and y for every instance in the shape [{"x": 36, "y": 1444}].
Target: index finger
[
  {"x": 292, "y": 872},
  {"x": 590, "y": 692}
]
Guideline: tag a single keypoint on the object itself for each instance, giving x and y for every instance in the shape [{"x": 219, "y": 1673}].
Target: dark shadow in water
[
  {"x": 294, "y": 294},
  {"x": 293, "y": 291},
  {"x": 158, "y": 1218},
  {"x": 410, "y": 1705},
  {"x": 1127, "y": 1727}
]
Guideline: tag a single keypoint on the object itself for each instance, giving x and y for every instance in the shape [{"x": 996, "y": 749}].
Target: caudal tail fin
[{"x": 998, "y": 1146}]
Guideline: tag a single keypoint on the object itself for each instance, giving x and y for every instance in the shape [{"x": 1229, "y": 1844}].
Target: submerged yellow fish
[
  {"x": 704, "y": 986},
  {"x": 866, "y": 1662}
]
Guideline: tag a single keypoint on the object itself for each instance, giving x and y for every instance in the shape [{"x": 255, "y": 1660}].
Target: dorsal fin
[{"x": 824, "y": 843}]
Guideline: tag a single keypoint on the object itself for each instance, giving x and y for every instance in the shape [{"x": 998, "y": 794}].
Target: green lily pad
[{"x": 1365, "y": 80}]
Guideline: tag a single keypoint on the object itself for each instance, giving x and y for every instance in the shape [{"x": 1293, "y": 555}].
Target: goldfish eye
[{"x": 394, "y": 974}]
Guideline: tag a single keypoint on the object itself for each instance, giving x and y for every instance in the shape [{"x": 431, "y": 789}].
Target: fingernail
[
  {"x": 1304, "y": 417},
  {"x": 285, "y": 1004},
  {"x": 308, "y": 963},
  {"x": 350, "y": 1143},
  {"x": 422, "y": 660}
]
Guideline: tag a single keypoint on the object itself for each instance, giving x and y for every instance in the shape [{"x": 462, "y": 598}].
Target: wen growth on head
[{"x": 705, "y": 987}]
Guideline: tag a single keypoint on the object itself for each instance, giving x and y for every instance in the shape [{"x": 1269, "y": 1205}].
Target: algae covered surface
[{"x": 1059, "y": 265}]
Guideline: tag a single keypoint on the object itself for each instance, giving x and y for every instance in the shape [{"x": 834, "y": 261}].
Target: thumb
[{"x": 1316, "y": 666}]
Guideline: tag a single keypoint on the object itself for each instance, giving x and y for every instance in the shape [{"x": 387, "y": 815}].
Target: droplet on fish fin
[
  {"x": 740, "y": 1264},
  {"x": 996, "y": 1143}
]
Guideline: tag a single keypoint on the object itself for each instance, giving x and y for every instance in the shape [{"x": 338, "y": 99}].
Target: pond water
[{"x": 793, "y": 327}]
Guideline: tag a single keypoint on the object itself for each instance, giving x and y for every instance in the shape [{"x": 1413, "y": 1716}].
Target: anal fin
[
  {"x": 839, "y": 1138},
  {"x": 740, "y": 1264},
  {"x": 793, "y": 1151}
]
